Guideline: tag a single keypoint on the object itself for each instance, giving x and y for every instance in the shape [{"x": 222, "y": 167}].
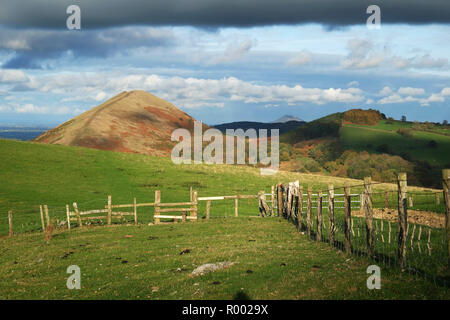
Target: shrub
[{"x": 406, "y": 132}]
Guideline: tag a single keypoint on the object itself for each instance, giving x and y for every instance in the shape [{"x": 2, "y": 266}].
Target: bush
[{"x": 406, "y": 132}]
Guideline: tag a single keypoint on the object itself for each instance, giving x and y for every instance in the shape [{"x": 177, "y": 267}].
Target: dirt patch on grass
[{"x": 426, "y": 218}]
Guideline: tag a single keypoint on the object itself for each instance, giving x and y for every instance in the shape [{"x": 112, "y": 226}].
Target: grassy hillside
[
  {"x": 56, "y": 175},
  {"x": 417, "y": 146},
  {"x": 273, "y": 260},
  {"x": 358, "y": 143}
]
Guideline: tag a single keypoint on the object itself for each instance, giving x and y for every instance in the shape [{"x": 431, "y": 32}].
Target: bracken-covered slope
[{"x": 134, "y": 121}]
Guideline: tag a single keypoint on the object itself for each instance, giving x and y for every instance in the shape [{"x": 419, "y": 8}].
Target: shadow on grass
[
  {"x": 383, "y": 259},
  {"x": 241, "y": 295}
]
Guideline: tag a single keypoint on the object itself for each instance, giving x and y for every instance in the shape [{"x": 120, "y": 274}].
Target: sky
[{"x": 223, "y": 61}]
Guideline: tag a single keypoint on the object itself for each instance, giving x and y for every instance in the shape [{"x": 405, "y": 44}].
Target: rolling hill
[
  {"x": 284, "y": 127},
  {"x": 135, "y": 122},
  {"x": 359, "y": 142},
  {"x": 144, "y": 262}
]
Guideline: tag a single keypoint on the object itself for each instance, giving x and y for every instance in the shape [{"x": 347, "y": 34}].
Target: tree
[{"x": 403, "y": 118}]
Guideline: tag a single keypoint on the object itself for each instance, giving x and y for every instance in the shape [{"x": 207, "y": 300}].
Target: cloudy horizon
[{"x": 223, "y": 63}]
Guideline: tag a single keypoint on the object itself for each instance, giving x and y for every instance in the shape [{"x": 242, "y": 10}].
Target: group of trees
[
  {"x": 367, "y": 117},
  {"x": 329, "y": 157}
]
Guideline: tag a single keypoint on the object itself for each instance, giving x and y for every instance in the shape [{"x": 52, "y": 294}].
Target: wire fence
[{"x": 372, "y": 227}]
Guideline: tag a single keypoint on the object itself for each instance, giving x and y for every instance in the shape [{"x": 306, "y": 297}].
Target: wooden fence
[{"x": 289, "y": 196}]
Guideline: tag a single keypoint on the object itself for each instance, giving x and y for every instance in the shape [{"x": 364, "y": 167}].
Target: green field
[
  {"x": 273, "y": 260},
  {"x": 35, "y": 174},
  {"x": 360, "y": 137}
]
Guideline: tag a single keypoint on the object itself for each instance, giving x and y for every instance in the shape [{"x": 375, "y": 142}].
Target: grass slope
[
  {"x": 359, "y": 137},
  {"x": 273, "y": 261},
  {"x": 56, "y": 175}
]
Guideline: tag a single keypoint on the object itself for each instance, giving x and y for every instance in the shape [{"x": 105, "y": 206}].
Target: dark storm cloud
[
  {"x": 32, "y": 47},
  {"x": 217, "y": 13}
]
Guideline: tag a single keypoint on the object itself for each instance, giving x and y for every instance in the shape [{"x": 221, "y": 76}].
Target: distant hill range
[
  {"x": 284, "y": 124},
  {"x": 134, "y": 121},
  {"x": 287, "y": 118},
  {"x": 21, "y": 132}
]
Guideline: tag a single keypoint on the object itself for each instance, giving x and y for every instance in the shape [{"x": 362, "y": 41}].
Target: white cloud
[
  {"x": 445, "y": 92},
  {"x": 353, "y": 84},
  {"x": 234, "y": 52},
  {"x": 386, "y": 91},
  {"x": 12, "y": 76},
  {"x": 411, "y": 91},
  {"x": 361, "y": 55},
  {"x": 302, "y": 58}
]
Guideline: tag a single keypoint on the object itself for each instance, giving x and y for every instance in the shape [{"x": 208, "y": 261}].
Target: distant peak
[{"x": 287, "y": 118}]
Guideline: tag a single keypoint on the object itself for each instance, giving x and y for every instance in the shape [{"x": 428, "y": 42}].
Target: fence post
[
  {"x": 368, "y": 212},
  {"x": 308, "y": 212},
  {"x": 272, "y": 193},
  {"x": 135, "y": 211},
  {"x": 348, "y": 219},
  {"x": 331, "y": 212},
  {"x": 68, "y": 216},
  {"x": 157, "y": 202},
  {"x": 411, "y": 202},
  {"x": 75, "y": 208},
  {"x": 438, "y": 200},
  {"x": 10, "y": 223},
  {"x": 263, "y": 207},
  {"x": 42, "y": 218},
  {"x": 208, "y": 206},
  {"x": 300, "y": 208},
  {"x": 289, "y": 202},
  {"x": 295, "y": 203},
  {"x": 402, "y": 218},
  {"x": 195, "y": 200},
  {"x": 47, "y": 217},
  {"x": 319, "y": 216},
  {"x": 279, "y": 199},
  {"x": 446, "y": 187},
  {"x": 236, "y": 208},
  {"x": 386, "y": 199},
  {"x": 108, "y": 220}
]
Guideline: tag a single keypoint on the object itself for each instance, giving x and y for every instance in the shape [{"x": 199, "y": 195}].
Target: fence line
[{"x": 363, "y": 233}]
